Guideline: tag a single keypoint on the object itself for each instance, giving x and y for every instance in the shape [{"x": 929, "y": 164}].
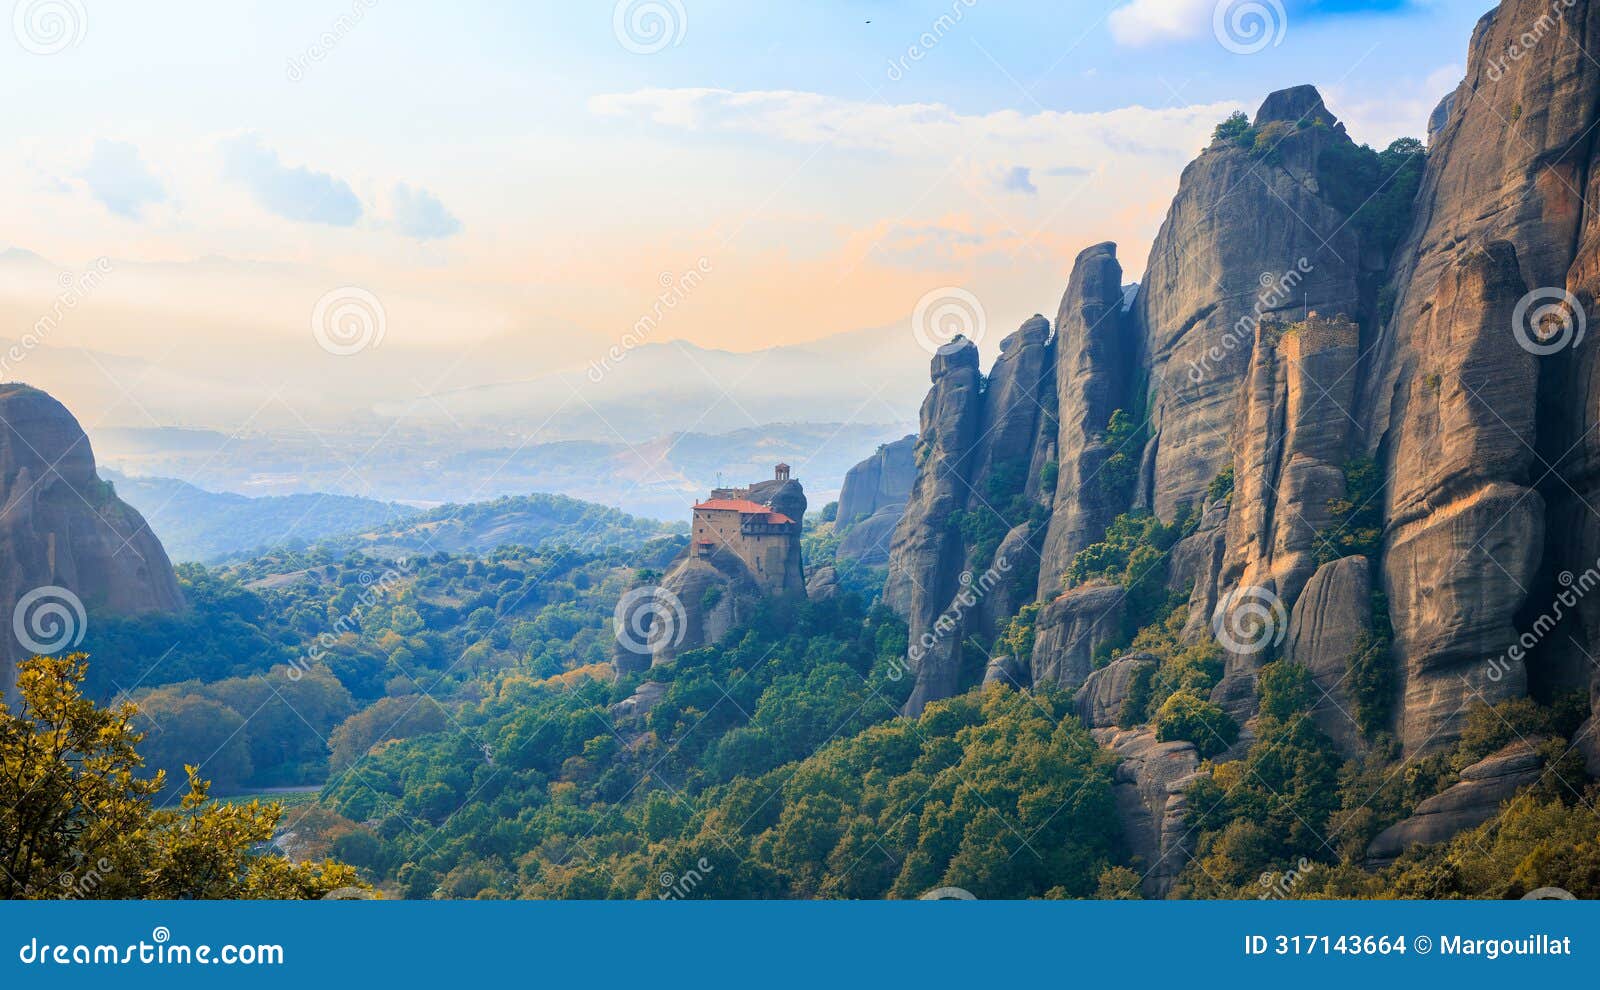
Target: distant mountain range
[
  {"x": 204, "y": 526},
  {"x": 207, "y": 527},
  {"x": 515, "y": 520},
  {"x": 658, "y": 478}
]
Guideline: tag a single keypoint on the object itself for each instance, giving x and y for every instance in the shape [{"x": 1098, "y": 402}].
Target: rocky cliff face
[
  {"x": 1301, "y": 325},
  {"x": 61, "y": 527},
  {"x": 1472, "y": 427},
  {"x": 966, "y": 551},
  {"x": 872, "y": 501},
  {"x": 1094, "y": 378},
  {"x": 1254, "y": 232}
]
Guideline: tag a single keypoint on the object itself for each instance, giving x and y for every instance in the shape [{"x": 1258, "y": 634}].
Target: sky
[{"x": 507, "y": 187}]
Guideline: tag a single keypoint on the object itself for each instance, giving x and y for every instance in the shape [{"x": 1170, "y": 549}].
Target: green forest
[{"x": 457, "y": 713}]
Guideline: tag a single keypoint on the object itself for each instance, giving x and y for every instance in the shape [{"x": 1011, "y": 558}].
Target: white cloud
[
  {"x": 1147, "y": 22},
  {"x": 118, "y": 178},
  {"x": 291, "y": 192},
  {"x": 419, "y": 213},
  {"x": 1019, "y": 179}
]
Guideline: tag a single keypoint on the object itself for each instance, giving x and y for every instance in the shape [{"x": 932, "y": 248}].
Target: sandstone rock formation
[
  {"x": 978, "y": 455},
  {"x": 1007, "y": 671},
  {"x": 1446, "y": 358},
  {"x": 872, "y": 501},
  {"x": 63, "y": 527},
  {"x": 822, "y": 584},
  {"x": 1252, "y": 233},
  {"x": 926, "y": 557},
  {"x": 1151, "y": 790},
  {"x": 1100, "y": 700},
  {"x": 640, "y": 702},
  {"x": 1330, "y": 623},
  {"x": 1071, "y": 628},
  {"x": 1484, "y": 787},
  {"x": 1294, "y": 430},
  {"x": 1094, "y": 379}
]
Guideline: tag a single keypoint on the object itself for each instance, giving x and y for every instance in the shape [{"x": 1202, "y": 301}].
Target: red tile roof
[{"x": 744, "y": 506}]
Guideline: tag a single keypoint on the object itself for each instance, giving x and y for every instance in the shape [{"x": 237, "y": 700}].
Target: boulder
[
  {"x": 1483, "y": 788},
  {"x": 1070, "y": 629},
  {"x": 823, "y": 584},
  {"x": 639, "y": 704},
  {"x": 1099, "y": 701},
  {"x": 1008, "y": 671},
  {"x": 1151, "y": 792},
  {"x": 867, "y": 542}
]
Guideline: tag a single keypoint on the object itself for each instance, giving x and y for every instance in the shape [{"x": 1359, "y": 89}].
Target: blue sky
[{"x": 509, "y": 170}]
